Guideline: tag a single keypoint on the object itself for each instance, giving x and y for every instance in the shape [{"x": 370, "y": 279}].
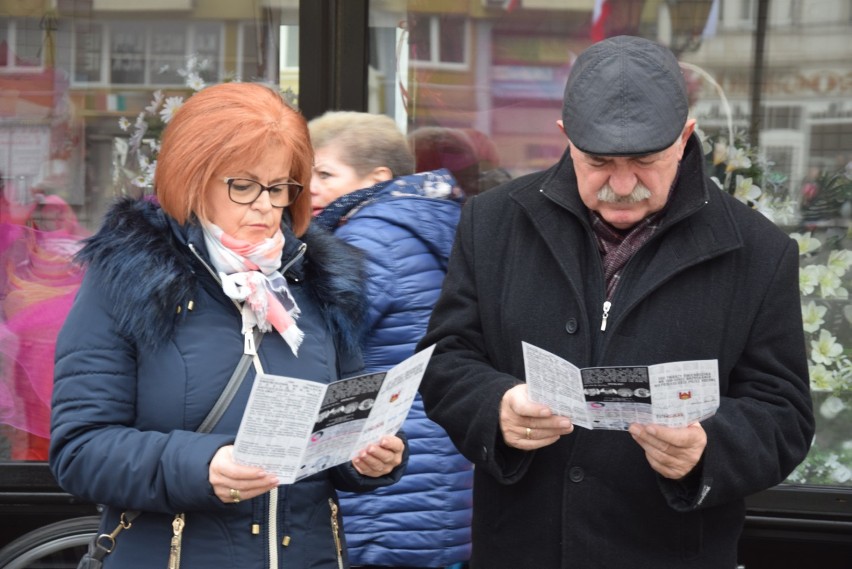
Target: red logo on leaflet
[
  {"x": 684, "y": 395},
  {"x": 394, "y": 397}
]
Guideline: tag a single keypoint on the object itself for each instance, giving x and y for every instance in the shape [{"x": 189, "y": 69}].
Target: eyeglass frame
[{"x": 264, "y": 188}]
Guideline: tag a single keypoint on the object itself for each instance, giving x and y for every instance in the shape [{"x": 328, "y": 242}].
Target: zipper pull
[
  {"x": 335, "y": 530},
  {"x": 174, "y": 550},
  {"x": 606, "y": 306},
  {"x": 249, "y": 346}
]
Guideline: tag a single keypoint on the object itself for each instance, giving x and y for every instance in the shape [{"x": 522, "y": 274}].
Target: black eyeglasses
[{"x": 244, "y": 191}]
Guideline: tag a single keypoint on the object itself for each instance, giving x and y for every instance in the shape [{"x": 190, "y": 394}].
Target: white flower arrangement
[
  {"x": 135, "y": 158},
  {"x": 825, "y": 263}
]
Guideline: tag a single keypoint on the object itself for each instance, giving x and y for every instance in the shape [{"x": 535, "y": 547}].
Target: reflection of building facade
[
  {"x": 805, "y": 116},
  {"x": 70, "y": 69},
  {"x": 65, "y": 64},
  {"x": 504, "y": 73}
]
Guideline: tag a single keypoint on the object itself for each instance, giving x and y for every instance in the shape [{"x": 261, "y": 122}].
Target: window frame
[
  {"x": 107, "y": 30},
  {"x": 434, "y": 61}
]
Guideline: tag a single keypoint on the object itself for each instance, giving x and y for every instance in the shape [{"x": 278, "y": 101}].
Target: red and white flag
[{"x": 600, "y": 14}]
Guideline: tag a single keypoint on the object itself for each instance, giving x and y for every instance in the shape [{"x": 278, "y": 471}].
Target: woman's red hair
[{"x": 224, "y": 127}]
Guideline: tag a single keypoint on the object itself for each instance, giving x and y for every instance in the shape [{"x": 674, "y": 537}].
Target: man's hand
[
  {"x": 673, "y": 453},
  {"x": 527, "y": 425}
]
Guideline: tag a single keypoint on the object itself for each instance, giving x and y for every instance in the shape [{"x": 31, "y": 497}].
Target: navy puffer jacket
[
  {"x": 406, "y": 228},
  {"x": 145, "y": 352}
]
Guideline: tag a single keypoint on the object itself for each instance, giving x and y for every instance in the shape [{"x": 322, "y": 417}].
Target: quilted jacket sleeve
[{"x": 96, "y": 453}]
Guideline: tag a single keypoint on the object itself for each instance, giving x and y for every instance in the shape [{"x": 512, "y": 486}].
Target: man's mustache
[{"x": 639, "y": 193}]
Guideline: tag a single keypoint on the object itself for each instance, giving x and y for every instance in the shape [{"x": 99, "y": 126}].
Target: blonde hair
[
  {"x": 226, "y": 126},
  {"x": 364, "y": 141}
]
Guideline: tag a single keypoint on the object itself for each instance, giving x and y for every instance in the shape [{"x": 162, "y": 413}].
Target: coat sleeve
[
  {"x": 764, "y": 425},
  {"x": 96, "y": 453},
  {"x": 347, "y": 479},
  {"x": 461, "y": 390}
]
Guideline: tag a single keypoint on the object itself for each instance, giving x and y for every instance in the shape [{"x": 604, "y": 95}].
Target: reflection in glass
[
  {"x": 784, "y": 146},
  {"x": 84, "y": 96}
]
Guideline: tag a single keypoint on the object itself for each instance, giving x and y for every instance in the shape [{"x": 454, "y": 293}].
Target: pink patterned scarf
[{"x": 249, "y": 274}]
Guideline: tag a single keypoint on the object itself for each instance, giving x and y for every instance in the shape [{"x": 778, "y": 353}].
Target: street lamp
[{"x": 681, "y": 24}]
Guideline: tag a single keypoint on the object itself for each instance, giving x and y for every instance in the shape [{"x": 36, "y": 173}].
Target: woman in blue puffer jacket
[
  {"x": 173, "y": 290},
  {"x": 363, "y": 189}
]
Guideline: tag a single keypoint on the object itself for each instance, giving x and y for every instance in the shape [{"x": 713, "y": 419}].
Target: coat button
[
  {"x": 571, "y": 325},
  {"x": 576, "y": 474}
]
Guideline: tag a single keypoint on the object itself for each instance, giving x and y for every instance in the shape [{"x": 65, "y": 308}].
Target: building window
[
  {"x": 22, "y": 45},
  {"x": 145, "y": 53},
  {"x": 439, "y": 42}
]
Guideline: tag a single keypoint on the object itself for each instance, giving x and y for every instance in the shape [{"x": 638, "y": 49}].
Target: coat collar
[
  {"x": 192, "y": 235},
  {"x": 690, "y": 193},
  {"x": 698, "y": 223},
  {"x": 143, "y": 263}
]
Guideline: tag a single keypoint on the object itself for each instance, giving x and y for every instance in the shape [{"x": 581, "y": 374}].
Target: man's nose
[{"x": 622, "y": 181}]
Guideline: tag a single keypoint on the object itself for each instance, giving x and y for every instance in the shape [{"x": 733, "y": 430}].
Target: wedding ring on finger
[
  {"x": 235, "y": 495},
  {"x": 529, "y": 432}
]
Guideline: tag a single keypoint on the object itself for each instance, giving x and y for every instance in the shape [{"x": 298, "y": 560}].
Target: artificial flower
[
  {"x": 745, "y": 190},
  {"x": 825, "y": 349},
  {"x": 737, "y": 159},
  {"x": 170, "y": 106},
  {"x": 831, "y": 407},
  {"x": 195, "y": 82},
  {"x": 812, "y": 316},
  {"x": 808, "y": 279},
  {"x": 830, "y": 285},
  {"x": 822, "y": 379},
  {"x": 156, "y": 101},
  {"x": 807, "y": 243},
  {"x": 839, "y": 261}
]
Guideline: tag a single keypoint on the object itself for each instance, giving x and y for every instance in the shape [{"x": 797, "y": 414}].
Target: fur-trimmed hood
[{"x": 146, "y": 263}]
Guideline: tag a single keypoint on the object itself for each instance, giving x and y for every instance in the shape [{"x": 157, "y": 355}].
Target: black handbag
[{"x": 103, "y": 544}]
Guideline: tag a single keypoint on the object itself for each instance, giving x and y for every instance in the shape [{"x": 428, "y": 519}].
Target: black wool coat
[{"x": 716, "y": 281}]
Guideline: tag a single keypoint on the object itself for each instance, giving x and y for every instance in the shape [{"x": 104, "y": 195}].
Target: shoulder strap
[
  {"x": 103, "y": 544},
  {"x": 230, "y": 390}
]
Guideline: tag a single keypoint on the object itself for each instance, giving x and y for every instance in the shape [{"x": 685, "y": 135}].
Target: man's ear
[
  {"x": 561, "y": 126},
  {"x": 688, "y": 129}
]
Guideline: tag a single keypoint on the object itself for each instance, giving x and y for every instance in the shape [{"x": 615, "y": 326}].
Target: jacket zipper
[
  {"x": 175, "y": 549},
  {"x": 299, "y": 254},
  {"x": 272, "y": 531},
  {"x": 213, "y": 273},
  {"x": 273, "y": 494},
  {"x": 335, "y": 532},
  {"x": 606, "y": 306}
]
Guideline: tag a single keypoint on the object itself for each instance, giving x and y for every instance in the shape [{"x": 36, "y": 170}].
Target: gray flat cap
[{"x": 625, "y": 96}]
